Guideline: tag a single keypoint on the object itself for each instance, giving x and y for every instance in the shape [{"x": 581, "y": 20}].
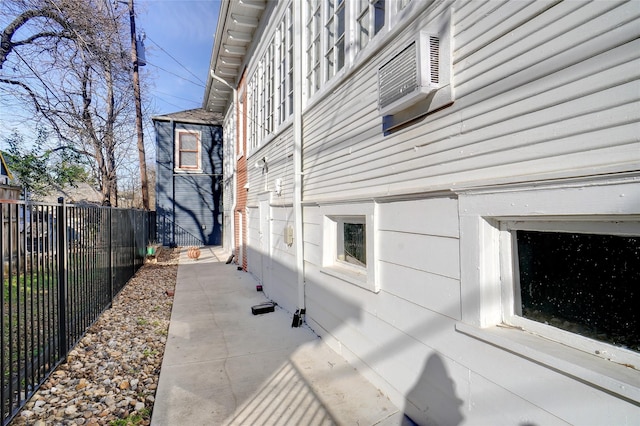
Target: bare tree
[{"x": 67, "y": 61}]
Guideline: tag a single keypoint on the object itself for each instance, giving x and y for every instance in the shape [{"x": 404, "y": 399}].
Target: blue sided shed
[{"x": 189, "y": 178}]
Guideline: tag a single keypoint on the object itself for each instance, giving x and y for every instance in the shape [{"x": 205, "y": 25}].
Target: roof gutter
[
  {"x": 234, "y": 160},
  {"x": 217, "y": 44}
]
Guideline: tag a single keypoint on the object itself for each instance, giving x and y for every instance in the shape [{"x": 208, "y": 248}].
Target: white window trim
[
  {"x": 617, "y": 226},
  {"x": 176, "y": 148},
  {"x": 364, "y": 277},
  {"x": 484, "y": 294},
  {"x": 241, "y": 129},
  {"x": 331, "y": 51}
]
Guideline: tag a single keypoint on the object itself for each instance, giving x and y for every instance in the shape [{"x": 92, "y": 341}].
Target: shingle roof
[{"x": 196, "y": 116}]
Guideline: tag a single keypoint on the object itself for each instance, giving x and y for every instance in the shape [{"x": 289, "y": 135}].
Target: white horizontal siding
[
  {"x": 544, "y": 89},
  {"x": 437, "y": 255},
  {"x": 279, "y": 156},
  {"x": 281, "y": 284},
  {"x": 435, "y": 216},
  {"x": 435, "y": 292},
  {"x": 552, "y": 91},
  {"x": 254, "y": 257}
]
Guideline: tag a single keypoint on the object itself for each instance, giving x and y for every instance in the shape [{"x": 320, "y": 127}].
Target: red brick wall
[{"x": 241, "y": 180}]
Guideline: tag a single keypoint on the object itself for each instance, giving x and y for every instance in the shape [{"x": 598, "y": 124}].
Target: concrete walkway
[{"x": 225, "y": 366}]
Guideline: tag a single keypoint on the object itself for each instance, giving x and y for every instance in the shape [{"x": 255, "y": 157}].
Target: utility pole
[{"x": 136, "y": 94}]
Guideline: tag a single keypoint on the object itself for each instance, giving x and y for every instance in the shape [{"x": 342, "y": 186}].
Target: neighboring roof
[
  {"x": 82, "y": 193},
  {"x": 193, "y": 116},
  {"x": 238, "y": 21},
  {"x": 4, "y": 169}
]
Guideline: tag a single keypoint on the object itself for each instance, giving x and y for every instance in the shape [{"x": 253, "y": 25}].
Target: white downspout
[
  {"x": 234, "y": 161},
  {"x": 297, "y": 151}
]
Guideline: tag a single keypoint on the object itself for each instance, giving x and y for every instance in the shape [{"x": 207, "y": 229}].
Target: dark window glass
[
  {"x": 584, "y": 283},
  {"x": 355, "y": 248},
  {"x": 379, "y": 7}
]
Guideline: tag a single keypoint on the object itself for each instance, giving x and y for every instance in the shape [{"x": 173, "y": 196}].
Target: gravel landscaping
[{"x": 111, "y": 376}]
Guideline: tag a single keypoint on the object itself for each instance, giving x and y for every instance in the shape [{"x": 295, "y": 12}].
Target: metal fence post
[
  {"x": 62, "y": 278},
  {"x": 110, "y": 247}
]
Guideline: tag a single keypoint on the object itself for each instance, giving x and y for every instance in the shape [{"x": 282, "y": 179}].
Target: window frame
[
  {"x": 282, "y": 68},
  {"x": 487, "y": 286},
  {"x": 269, "y": 90},
  {"x": 290, "y": 59},
  {"x": 371, "y": 11},
  {"x": 333, "y": 217},
  {"x": 177, "y": 151},
  {"x": 313, "y": 41},
  {"x": 335, "y": 44},
  {"x": 509, "y": 273},
  {"x": 341, "y": 221}
]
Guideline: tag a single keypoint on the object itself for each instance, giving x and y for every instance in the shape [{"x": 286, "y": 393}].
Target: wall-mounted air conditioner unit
[
  {"x": 410, "y": 75},
  {"x": 419, "y": 78}
]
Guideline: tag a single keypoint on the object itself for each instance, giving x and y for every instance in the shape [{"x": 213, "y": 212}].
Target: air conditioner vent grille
[
  {"x": 434, "y": 61},
  {"x": 399, "y": 76}
]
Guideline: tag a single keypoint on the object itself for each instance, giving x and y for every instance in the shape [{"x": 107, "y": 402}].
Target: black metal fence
[
  {"x": 173, "y": 235},
  {"x": 62, "y": 265}
]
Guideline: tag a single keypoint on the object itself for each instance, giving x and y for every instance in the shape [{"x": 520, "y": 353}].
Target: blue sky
[
  {"x": 179, "y": 39},
  {"x": 178, "y": 49}
]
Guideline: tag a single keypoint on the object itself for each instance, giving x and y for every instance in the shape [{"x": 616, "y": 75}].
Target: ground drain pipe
[{"x": 298, "y": 239}]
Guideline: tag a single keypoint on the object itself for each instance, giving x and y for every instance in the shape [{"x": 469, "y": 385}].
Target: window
[
  {"x": 282, "y": 72},
  {"x": 270, "y": 86},
  {"x": 351, "y": 241},
  {"x": 285, "y": 66},
  {"x": 262, "y": 100},
  {"x": 269, "y": 92},
  {"x": 348, "y": 244},
  {"x": 290, "y": 42},
  {"x": 335, "y": 38},
  {"x": 187, "y": 156},
  {"x": 370, "y": 20},
  {"x": 230, "y": 143},
  {"x": 252, "y": 113},
  {"x": 552, "y": 273},
  {"x": 313, "y": 46},
  {"x": 580, "y": 282}
]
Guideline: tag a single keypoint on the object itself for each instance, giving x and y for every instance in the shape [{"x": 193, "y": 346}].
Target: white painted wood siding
[
  {"x": 279, "y": 157},
  {"x": 418, "y": 253},
  {"x": 254, "y": 256},
  {"x": 282, "y": 282},
  {"x": 542, "y": 90},
  {"x": 396, "y": 336}
]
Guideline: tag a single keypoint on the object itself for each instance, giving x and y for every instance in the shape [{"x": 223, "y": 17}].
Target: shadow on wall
[
  {"x": 432, "y": 399},
  {"x": 433, "y": 389}
]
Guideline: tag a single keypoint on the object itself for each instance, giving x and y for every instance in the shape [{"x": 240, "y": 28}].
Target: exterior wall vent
[{"x": 411, "y": 75}]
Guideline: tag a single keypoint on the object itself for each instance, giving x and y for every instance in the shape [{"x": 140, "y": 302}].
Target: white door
[
  {"x": 265, "y": 239},
  {"x": 240, "y": 242}
]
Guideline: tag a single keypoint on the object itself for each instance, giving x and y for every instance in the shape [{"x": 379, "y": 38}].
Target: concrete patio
[{"x": 225, "y": 366}]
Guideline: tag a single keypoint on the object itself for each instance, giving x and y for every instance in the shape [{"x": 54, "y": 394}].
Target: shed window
[
  {"x": 188, "y": 150},
  {"x": 587, "y": 284}
]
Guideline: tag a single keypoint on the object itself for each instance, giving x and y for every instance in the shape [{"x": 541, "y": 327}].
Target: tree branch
[{"x": 6, "y": 40}]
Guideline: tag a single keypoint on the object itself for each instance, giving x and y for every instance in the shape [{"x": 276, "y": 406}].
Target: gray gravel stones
[{"x": 111, "y": 376}]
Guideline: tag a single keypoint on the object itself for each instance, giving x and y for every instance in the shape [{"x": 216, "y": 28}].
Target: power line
[
  {"x": 176, "y": 61},
  {"x": 168, "y": 103},
  {"x": 177, "y": 97},
  {"x": 179, "y": 76},
  {"x": 38, "y": 77}
]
